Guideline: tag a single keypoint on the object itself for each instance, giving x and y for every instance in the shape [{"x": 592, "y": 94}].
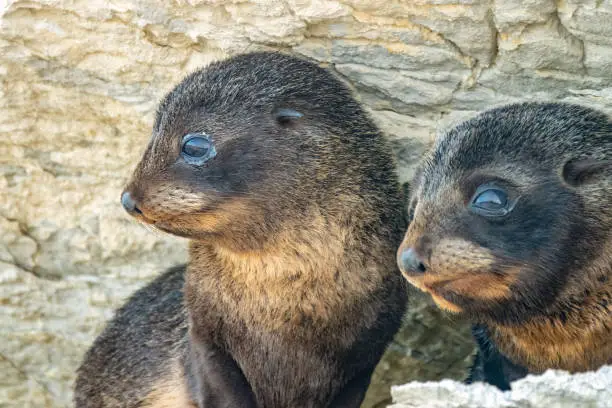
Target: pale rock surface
[
  {"x": 553, "y": 389},
  {"x": 79, "y": 81}
]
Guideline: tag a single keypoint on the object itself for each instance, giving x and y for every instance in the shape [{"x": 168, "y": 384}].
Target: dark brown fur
[
  {"x": 291, "y": 294},
  {"x": 539, "y": 279}
]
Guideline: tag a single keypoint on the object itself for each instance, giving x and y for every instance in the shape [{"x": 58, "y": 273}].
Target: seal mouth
[
  {"x": 167, "y": 221},
  {"x": 435, "y": 287},
  {"x": 465, "y": 288},
  {"x": 191, "y": 225},
  {"x": 172, "y": 231},
  {"x": 428, "y": 283},
  {"x": 144, "y": 219},
  {"x": 142, "y": 216}
]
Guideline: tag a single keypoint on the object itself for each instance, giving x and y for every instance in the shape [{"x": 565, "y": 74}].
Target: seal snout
[
  {"x": 129, "y": 204},
  {"x": 410, "y": 262}
]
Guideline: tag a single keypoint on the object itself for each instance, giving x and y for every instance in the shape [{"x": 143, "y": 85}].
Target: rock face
[
  {"x": 553, "y": 389},
  {"x": 79, "y": 81}
]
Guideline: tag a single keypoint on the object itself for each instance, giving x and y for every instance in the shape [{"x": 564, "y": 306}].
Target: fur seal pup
[
  {"x": 289, "y": 196},
  {"x": 511, "y": 226}
]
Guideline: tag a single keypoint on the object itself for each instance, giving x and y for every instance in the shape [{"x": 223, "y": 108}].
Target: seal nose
[
  {"x": 129, "y": 204},
  {"x": 410, "y": 262}
]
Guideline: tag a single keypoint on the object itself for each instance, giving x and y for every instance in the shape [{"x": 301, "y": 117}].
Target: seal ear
[
  {"x": 577, "y": 172},
  {"x": 287, "y": 117}
]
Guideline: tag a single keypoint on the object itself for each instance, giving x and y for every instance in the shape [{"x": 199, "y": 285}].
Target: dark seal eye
[
  {"x": 491, "y": 202},
  {"x": 197, "y": 148},
  {"x": 491, "y": 199},
  {"x": 287, "y": 116}
]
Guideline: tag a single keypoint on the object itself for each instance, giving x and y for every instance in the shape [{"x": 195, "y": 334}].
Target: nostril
[
  {"x": 410, "y": 262},
  {"x": 129, "y": 204}
]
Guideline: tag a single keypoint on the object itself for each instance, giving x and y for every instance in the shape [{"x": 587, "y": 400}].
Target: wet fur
[
  {"x": 539, "y": 281},
  {"x": 291, "y": 294}
]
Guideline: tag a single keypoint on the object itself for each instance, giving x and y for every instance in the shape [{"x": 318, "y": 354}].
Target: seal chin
[
  {"x": 428, "y": 287},
  {"x": 415, "y": 281},
  {"x": 181, "y": 232},
  {"x": 173, "y": 231},
  {"x": 144, "y": 219},
  {"x": 445, "y": 304},
  {"x": 191, "y": 226}
]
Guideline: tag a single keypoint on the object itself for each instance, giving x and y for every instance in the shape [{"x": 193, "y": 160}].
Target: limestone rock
[
  {"x": 540, "y": 46},
  {"x": 510, "y": 13},
  {"x": 79, "y": 82},
  {"x": 587, "y": 20},
  {"x": 553, "y": 389}
]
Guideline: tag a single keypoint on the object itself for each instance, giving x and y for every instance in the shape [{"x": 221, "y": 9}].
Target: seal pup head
[
  {"x": 507, "y": 207},
  {"x": 248, "y": 145}
]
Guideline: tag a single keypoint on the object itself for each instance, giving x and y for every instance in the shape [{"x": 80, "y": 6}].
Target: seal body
[
  {"x": 288, "y": 194},
  {"x": 512, "y": 227}
]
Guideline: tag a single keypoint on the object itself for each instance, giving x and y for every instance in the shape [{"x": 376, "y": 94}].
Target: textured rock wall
[{"x": 79, "y": 80}]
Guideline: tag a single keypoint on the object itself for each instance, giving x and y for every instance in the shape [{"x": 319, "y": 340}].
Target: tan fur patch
[
  {"x": 583, "y": 340},
  {"x": 170, "y": 392},
  {"x": 445, "y": 304},
  {"x": 211, "y": 221},
  {"x": 294, "y": 278},
  {"x": 457, "y": 257},
  {"x": 543, "y": 345},
  {"x": 483, "y": 286},
  {"x": 223, "y": 215}
]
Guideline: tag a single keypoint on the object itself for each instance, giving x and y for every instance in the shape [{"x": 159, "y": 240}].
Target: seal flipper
[
  {"x": 490, "y": 365},
  {"x": 214, "y": 378}
]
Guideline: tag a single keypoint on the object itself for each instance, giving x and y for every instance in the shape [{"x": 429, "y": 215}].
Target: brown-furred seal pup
[
  {"x": 511, "y": 226},
  {"x": 289, "y": 196}
]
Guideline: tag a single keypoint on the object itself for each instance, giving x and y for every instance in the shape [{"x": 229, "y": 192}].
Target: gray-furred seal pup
[
  {"x": 511, "y": 226},
  {"x": 289, "y": 196}
]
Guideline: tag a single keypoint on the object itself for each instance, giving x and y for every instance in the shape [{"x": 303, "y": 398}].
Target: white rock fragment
[{"x": 553, "y": 389}]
